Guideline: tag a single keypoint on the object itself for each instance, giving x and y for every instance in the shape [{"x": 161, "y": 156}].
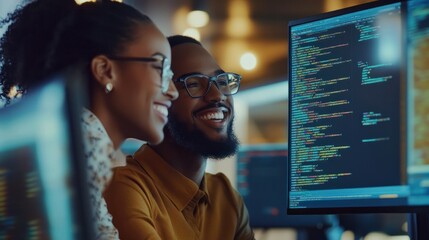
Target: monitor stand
[{"x": 418, "y": 226}]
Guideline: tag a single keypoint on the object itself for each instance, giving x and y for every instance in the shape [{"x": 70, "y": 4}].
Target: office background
[{"x": 248, "y": 37}]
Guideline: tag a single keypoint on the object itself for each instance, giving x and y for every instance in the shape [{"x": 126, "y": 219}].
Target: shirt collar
[
  {"x": 98, "y": 151},
  {"x": 96, "y": 137},
  {"x": 205, "y": 189},
  {"x": 93, "y": 125},
  {"x": 178, "y": 188}
]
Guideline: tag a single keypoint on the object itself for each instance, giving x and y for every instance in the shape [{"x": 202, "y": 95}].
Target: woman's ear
[{"x": 103, "y": 70}]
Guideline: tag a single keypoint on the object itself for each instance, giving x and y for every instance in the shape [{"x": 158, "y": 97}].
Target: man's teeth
[
  {"x": 213, "y": 116},
  {"x": 161, "y": 109}
]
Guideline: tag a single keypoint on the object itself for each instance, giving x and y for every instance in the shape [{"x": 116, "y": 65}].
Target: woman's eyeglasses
[{"x": 166, "y": 73}]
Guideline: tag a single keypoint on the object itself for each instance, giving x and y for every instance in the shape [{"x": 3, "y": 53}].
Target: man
[{"x": 164, "y": 192}]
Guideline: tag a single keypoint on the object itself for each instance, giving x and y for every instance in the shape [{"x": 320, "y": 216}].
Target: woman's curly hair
[{"x": 46, "y": 36}]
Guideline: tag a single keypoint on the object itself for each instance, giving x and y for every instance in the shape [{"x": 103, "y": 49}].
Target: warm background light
[
  {"x": 13, "y": 92},
  {"x": 239, "y": 23},
  {"x": 193, "y": 33},
  {"x": 197, "y": 18},
  {"x": 83, "y": 1},
  {"x": 248, "y": 61}
]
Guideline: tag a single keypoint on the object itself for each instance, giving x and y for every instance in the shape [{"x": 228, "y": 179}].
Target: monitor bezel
[{"x": 77, "y": 98}]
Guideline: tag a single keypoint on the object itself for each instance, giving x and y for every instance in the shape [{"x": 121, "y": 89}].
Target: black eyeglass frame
[
  {"x": 166, "y": 73},
  {"x": 182, "y": 79}
]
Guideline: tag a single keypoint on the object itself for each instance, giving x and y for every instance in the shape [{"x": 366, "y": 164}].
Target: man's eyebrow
[
  {"x": 187, "y": 74},
  {"x": 215, "y": 73},
  {"x": 191, "y": 73},
  {"x": 219, "y": 71}
]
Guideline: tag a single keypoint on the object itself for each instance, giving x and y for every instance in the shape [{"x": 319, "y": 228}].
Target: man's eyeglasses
[
  {"x": 166, "y": 73},
  {"x": 198, "y": 85}
]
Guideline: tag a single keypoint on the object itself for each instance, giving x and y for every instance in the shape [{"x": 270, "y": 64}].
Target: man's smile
[{"x": 215, "y": 117}]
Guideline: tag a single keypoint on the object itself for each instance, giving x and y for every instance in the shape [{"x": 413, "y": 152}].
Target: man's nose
[{"x": 214, "y": 93}]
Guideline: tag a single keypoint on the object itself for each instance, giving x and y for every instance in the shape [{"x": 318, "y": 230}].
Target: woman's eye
[{"x": 158, "y": 67}]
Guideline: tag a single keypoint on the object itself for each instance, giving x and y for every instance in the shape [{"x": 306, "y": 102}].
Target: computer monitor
[
  {"x": 43, "y": 193},
  {"x": 418, "y": 112},
  {"x": 418, "y": 102},
  {"x": 348, "y": 114},
  {"x": 261, "y": 181}
]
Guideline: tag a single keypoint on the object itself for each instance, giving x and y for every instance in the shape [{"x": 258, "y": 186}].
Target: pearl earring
[{"x": 109, "y": 87}]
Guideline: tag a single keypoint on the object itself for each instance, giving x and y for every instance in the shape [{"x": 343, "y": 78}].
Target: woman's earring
[{"x": 109, "y": 87}]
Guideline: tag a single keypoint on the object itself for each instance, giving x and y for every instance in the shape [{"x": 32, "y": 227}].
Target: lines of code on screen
[
  {"x": 21, "y": 200},
  {"x": 345, "y": 101}
]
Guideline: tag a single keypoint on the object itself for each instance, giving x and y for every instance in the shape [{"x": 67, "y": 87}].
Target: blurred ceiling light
[
  {"x": 178, "y": 20},
  {"x": 198, "y": 18},
  {"x": 239, "y": 8},
  {"x": 238, "y": 23},
  {"x": 14, "y": 92},
  {"x": 333, "y": 5},
  {"x": 248, "y": 61},
  {"x": 235, "y": 47},
  {"x": 238, "y": 27},
  {"x": 83, "y": 1},
  {"x": 348, "y": 235},
  {"x": 193, "y": 33}
]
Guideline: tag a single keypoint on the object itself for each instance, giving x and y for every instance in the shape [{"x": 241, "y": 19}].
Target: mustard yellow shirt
[{"x": 149, "y": 199}]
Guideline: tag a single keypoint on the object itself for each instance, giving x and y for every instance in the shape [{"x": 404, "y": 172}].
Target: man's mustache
[{"x": 213, "y": 105}]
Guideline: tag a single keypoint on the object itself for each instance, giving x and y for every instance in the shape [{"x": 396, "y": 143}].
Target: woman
[{"x": 126, "y": 59}]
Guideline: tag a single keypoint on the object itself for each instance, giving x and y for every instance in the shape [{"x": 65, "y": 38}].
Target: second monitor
[{"x": 261, "y": 180}]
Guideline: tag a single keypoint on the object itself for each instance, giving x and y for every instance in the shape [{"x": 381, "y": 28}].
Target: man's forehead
[
  {"x": 190, "y": 57},
  {"x": 191, "y": 48}
]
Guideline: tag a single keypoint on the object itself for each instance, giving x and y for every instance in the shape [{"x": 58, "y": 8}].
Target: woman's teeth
[{"x": 161, "y": 109}]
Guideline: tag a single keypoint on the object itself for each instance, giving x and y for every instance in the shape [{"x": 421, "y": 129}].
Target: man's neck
[{"x": 188, "y": 163}]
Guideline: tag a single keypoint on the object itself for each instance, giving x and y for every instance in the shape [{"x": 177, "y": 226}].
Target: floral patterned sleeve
[{"x": 100, "y": 154}]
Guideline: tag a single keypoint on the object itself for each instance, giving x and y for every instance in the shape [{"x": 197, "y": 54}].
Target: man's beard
[{"x": 195, "y": 140}]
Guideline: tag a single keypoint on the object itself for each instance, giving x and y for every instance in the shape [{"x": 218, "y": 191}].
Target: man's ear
[{"x": 103, "y": 70}]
